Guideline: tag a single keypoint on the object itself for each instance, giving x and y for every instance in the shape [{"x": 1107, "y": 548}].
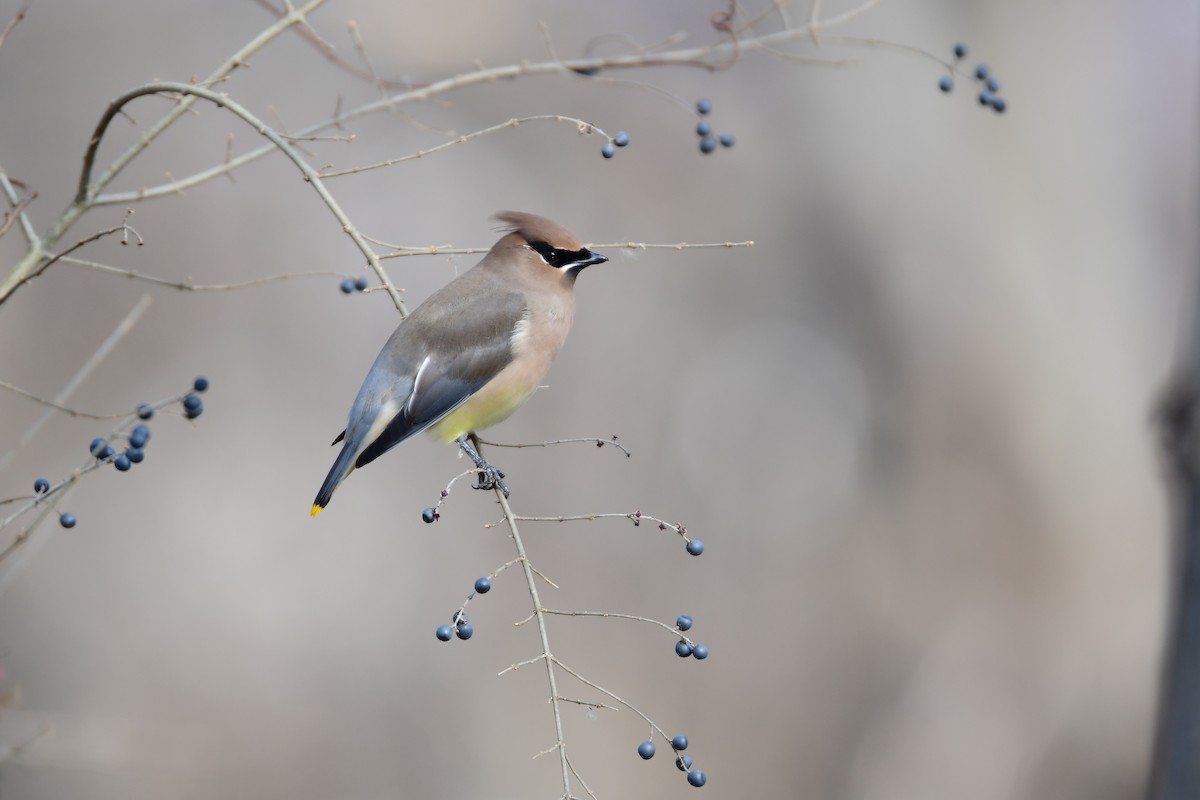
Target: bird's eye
[{"x": 552, "y": 256}]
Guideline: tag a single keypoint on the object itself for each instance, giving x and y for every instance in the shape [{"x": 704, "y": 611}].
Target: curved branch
[
  {"x": 709, "y": 57},
  {"x": 85, "y": 196},
  {"x": 278, "y": 141}
]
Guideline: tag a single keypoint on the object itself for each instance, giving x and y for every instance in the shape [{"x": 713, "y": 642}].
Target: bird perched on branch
[{"x": 471, "y": 354}]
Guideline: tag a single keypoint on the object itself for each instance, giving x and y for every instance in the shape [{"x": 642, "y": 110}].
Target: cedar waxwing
[{"x": 472, "y": 353}]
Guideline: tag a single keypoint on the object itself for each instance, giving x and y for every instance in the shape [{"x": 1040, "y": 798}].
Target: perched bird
[{"x": 471, "y": 354}]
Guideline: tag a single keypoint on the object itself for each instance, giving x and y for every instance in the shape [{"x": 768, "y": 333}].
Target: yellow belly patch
[{"x": 492, "y": 404}]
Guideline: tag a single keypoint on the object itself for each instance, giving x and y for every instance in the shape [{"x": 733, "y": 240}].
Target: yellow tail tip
[{"x": 316, "y": 510}]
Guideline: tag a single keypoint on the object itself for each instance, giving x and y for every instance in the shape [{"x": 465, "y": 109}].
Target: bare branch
[
  {"x": 711, "y": 57},
  {"x": 531, "y": 584},
  {"x": 88, "y": 189},
  {"x": 15, "y": 21},
  {"x": 122, "y": 330},
  {"x": 580, "y": 126},
  {"x": 611, "y": 615},
  {"x": 19, "y": 204},
  {"x": 590, "y": 439},
  {"x": 186, "y": 286},
  {"x": 278, "y": 141}
]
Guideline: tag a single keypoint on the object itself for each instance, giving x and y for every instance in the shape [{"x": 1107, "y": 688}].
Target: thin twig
[
  {"x": 531, "y": 584},
  {"x": 326, "y": 49},
  {"x": 580, "y": 126},
  {"x": 195, "y": 287},
  {"x": 589, "y": 704},
  {"x": 89, "y": 189},
  {"x": 599, "y": 442},
  {"x": 524, "y": 663},
  {"x": 15, "y": 21},
  {"x": 636, "y": 517},
  {"x": 608, "y": 614},
  {"x": 278, "y": 141},
  {"x": 436, "y": 250},
  {"x": 606, "y": 692},
  {"x": 18, "y": 210},
  {"x": 54, "y": 259},
  {"x": 706, "y": 57},
  {"x": 89, "y": 366}
]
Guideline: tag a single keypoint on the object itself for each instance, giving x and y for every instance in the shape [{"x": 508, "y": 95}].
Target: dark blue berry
[
  {"x": 960, "y": 50},
  {"x": 999, "y": 104},
  {"x": 445, "y": 633},
  {"x": 697, "y": 778},
  {"x": 695, "y": 547},
  {"x": 700, "y": 652},
  {"x": 459, "y": 618},
  {"x": 982, "y": 72},
  {"x": 707, "y": 145},
  {"x": 985, "y": 98},
  {"x": 139, "y": 436},
  {"x": 703, "y": 128},
  {"x": 67, "y": 520},
  {"x": 608, "y": 151},
  {"x": 360, "y": 284},
  {"x": 193, "y": 406},
  {"x": 347, "y": 286},
  {"x": 465, "y": 632},
  {"x": 429, "y": 515},
  {"x": 108, "y": 452},
  {"x": 946, "y": 83},
  {"x": 145, "y": 411},
  {"x": 727, "y": 140},
  {"x": 483, "y": 585},
  {"x": 621, "y": 139},
  {"x": 680, "y": 742},
  {"x": 683, "y": 649},
  {"x": 97, "y": 446},
  {"x": 993, "y": 85},
  {"x": 703, "y": 106},
  {"x": 646, "y": 750},
  {"x": 122, "y": 463},
  {"x": 684, "y": 622},
  {"x": 41, "y": 485},
  {"x": 136, "y": 454},
  {"x": 200, "y": 384},
  {"x": 684, "y": 762}
]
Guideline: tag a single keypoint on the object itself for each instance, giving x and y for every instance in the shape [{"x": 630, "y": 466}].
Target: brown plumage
[{"x": 472, "y": 353}]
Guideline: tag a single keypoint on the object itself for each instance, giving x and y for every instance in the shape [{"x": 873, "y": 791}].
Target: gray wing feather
[{"x": 467, "y": 343}]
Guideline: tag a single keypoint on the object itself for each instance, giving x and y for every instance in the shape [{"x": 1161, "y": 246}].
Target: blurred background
[{"x": 912, "y": 424}]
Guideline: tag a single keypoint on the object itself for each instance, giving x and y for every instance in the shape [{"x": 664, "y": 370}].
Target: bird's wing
[{"x": 450, "y": 372}]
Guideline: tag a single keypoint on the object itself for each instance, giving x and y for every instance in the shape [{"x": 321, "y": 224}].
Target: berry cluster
[
  {"x": 354, "y": 284},
  {"x": 123, "y": 457},
  {"x": 989, "y": 91},
  {"x": 461, "y": 625},
  {"x": 684, "y": 648},
  {"x": 682, "y": 760},
  {"x": 620, "y": 139},
  {"x": 705, "y": 131}
]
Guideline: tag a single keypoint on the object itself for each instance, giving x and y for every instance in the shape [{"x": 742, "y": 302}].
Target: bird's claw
[{"x": 491, "y": 478}]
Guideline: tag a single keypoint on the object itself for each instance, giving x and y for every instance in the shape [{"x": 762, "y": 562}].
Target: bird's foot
[{"x": 489, "y": 477}]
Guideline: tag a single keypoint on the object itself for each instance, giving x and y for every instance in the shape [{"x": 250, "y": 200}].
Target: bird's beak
[{"x": 596, "y": 258}]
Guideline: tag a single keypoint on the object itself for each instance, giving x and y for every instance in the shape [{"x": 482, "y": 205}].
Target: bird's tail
[{"x": 341, "y": 468}]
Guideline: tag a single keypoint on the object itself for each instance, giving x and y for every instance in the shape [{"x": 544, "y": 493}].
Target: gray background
[{"x": 913, "y": 424}]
